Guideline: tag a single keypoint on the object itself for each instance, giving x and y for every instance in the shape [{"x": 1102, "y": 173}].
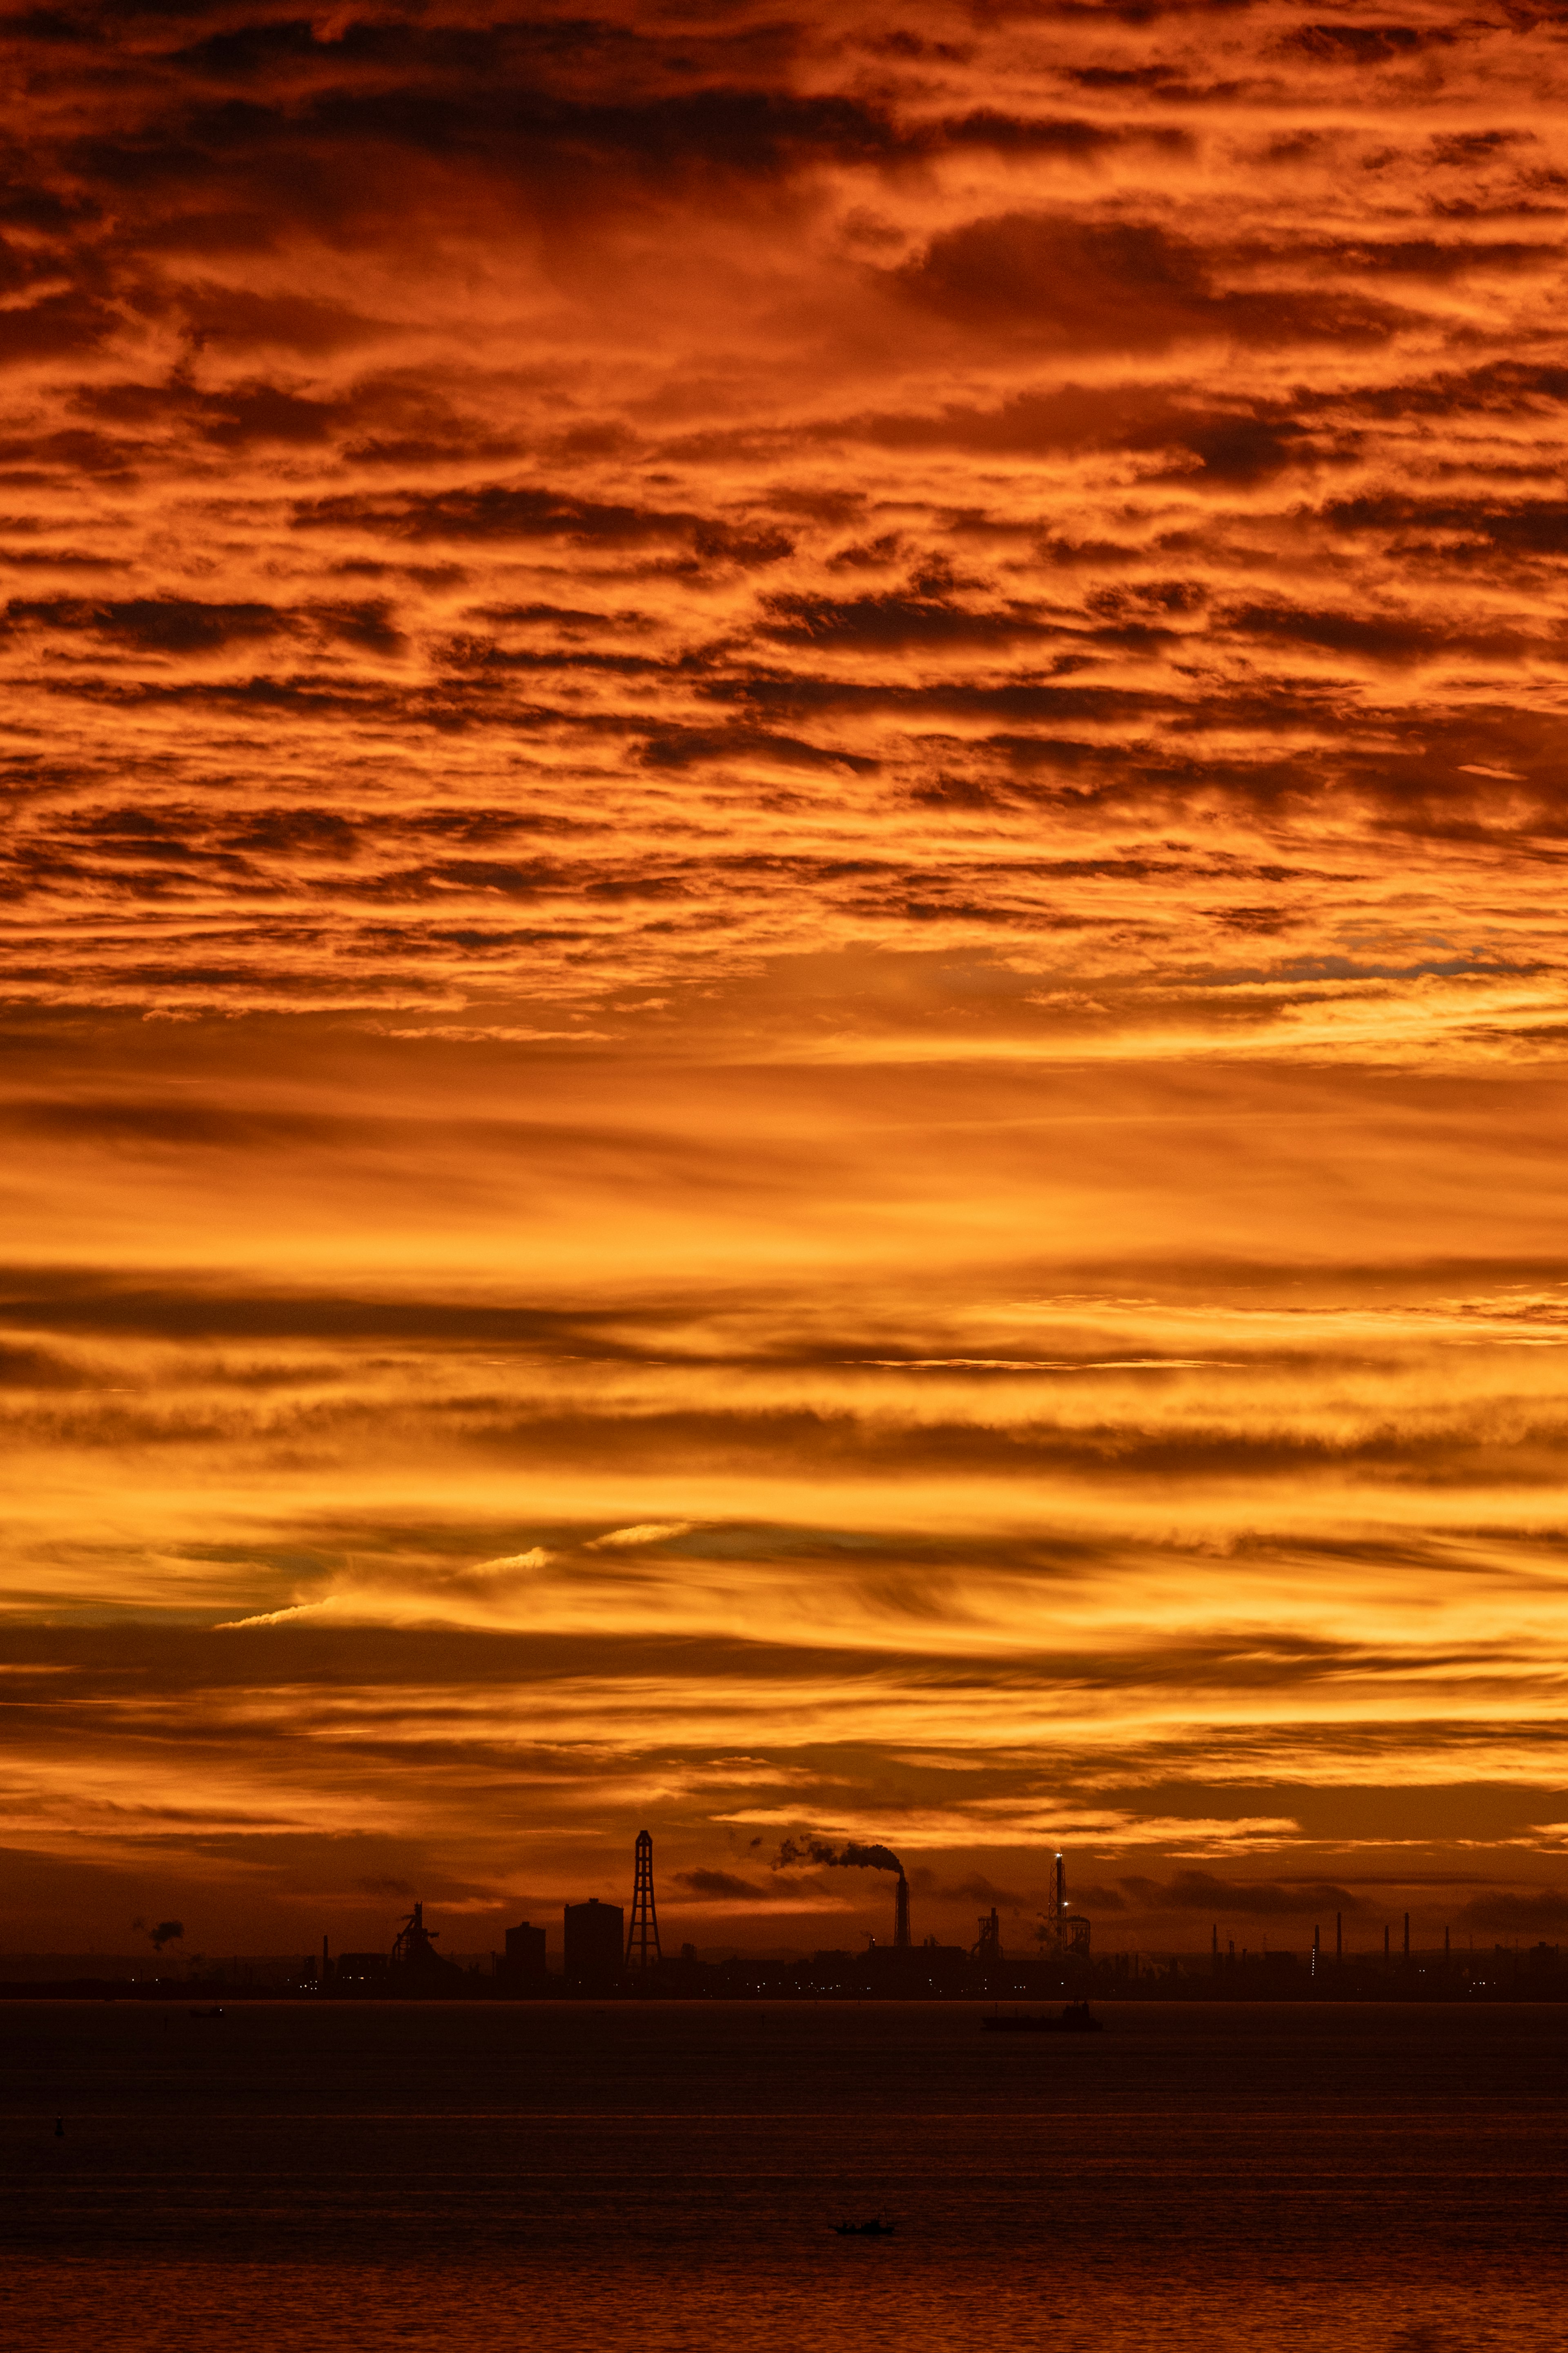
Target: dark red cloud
[{"x": 1059, "y": 283}]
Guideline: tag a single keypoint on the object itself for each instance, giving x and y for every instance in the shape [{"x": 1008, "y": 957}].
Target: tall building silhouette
[
  {"x": 593, "y": 1945},
  {"x": 525, "y": 1950},
  {"x": 642, "y": 1936}
]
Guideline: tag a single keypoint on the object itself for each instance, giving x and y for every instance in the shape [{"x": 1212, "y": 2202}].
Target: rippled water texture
[{"x": 291, "y": 2177}]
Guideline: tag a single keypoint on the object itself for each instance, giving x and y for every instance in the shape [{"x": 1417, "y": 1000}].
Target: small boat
[
  {"x": 1075, "y": 2019},
  {"x": 875, "y": 2229}
]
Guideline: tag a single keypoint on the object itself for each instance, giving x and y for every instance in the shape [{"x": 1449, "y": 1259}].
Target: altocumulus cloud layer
[{"x": 781, "y": 941}]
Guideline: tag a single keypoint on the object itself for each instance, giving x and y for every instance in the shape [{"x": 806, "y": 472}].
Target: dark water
[{"x": 652, "y": 2176}]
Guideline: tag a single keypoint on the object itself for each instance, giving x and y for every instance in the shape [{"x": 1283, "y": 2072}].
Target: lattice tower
[{"x": 642, "y": 1934}]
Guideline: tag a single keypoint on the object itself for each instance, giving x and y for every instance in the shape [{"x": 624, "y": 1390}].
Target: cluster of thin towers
[{"x": 587, "y": 1924}]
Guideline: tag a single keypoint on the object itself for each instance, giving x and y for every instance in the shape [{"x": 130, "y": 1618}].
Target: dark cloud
[
  {"x": 1078, "y": 285},
  {"x": 79, "y": 1303},
  {"x": 231, "y": 315},
  {"x": 259, "y": 411},
  {"x": 1236, "y": 446},
  {"x": 1068, "y": 137},
  {"x": 498, "y": 512},
  {"x": 1427, "y": 258},
  {"x": 1202, "y": 1891},
  {"x": 1364, "y": 45},
  {"x": 385, "y": 420},
  {"x": 1066, "y": 284},
  {"x": 1528, "y": 527},
  {"x": 1236, "y": 449},
  {"x": 1501, "y": 388},
  {"x": 279, "y": 831},
  {"x": 493, "y": 116},
  {"x": 1390, "y": 637},
  {"x": 719, "y": 1883},
  {"x": 483, "y": 654},
  {"x": 1535, "y": 1912},
  {"x": 684, "y": 747},
  {"x": 894, "y": 620},
  {"x": 1147, "y": 600},
  {"x": 105, "y": 455},
  {"x": 60, "y": 326},
  {"x": 174, "y": 1124},
  {"x": 369, "y": 628},
  {"x": 39, "y": 1368},
  {"x": 1158, "y": 80},
  {"x": 976, "y": 1888},
  {"x": 252, "y": 411},
  {"x": 167, "y": 624},
  {"x": 568, "y": 617}
]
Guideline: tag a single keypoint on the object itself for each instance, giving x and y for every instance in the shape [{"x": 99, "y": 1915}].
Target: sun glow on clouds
[
  {"x": 784, "y": 1010},
  {"x": 650, "y": 1532}
]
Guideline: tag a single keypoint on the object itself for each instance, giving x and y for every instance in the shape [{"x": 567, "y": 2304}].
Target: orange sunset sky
[{"x": 784, "y": 1011}]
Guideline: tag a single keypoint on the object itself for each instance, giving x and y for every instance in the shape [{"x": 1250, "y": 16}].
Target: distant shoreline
[{"x": 1188, "y": 1994}]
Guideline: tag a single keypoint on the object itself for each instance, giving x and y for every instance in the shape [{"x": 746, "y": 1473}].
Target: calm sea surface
[{"x": 666, "y": 2175}]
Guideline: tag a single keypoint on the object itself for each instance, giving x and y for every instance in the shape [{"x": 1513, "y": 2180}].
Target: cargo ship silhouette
[{"x": 1075, "y": 2019}]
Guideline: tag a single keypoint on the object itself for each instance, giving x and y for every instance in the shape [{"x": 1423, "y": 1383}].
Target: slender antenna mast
[{"x": 642, "y": 1935}]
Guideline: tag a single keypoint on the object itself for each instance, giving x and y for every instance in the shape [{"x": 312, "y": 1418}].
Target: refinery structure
[{"x": 607, "y": 1949}]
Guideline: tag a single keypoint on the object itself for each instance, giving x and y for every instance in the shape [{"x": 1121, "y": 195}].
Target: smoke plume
[
  {"x": 167, "y": 1932},
  {"x": 812, "y": 1850}
]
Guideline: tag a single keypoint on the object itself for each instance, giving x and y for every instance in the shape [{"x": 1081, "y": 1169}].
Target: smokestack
[{"x": 901, "y": 1914}]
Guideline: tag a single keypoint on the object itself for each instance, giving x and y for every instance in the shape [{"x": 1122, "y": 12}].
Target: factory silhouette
[{"x": 604, "y": 1956}]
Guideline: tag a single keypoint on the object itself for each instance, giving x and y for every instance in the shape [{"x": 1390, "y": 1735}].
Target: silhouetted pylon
[{"x": 642, "y": 1935}]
